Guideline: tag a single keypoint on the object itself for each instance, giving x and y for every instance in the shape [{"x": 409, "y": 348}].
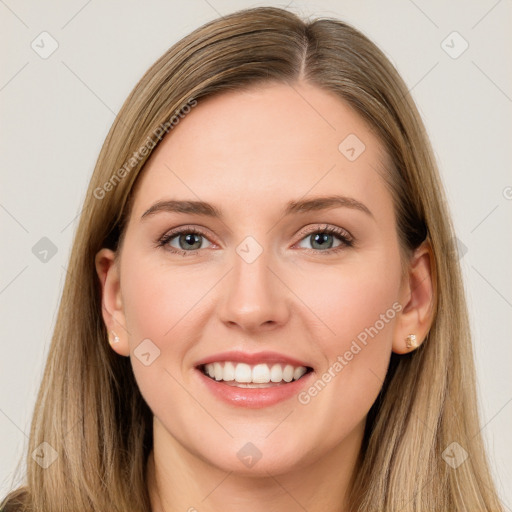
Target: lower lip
[{"x": 254, "y": 397}]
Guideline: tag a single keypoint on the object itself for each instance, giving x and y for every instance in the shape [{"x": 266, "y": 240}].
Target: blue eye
[
  {"x": 323, "y": 239},
  {"x": 187, "y": 240}
]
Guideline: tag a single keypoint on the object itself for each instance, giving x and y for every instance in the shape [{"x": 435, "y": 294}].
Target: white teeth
[
  {"x": 299, "y": 372},
  {"x": 229, "y": 371},
  {"x": 288, "y": 373},
  {"x": 276, "y": 373},
  {"x": 219, "y": 372},
  {"x": 243, "y": 373},
  {"x": 258, "y": 374}
]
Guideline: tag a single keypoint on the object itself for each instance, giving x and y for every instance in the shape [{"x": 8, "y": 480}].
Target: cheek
[
  {"x": 158, "y": 305},
  {"x": 359, "y": 305},
  {"x": 156, "y": 299},
  {"x": 351, "y": 300}
]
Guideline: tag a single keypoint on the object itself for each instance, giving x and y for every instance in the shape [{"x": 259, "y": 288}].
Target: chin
[{"x": 258, "y": 458}]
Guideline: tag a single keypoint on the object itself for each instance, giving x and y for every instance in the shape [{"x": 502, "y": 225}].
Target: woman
[{"x": 262, "y": 308}]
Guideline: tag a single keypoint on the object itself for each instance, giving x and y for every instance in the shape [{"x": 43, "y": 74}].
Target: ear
[
  {"x": 417, "y": 296},
  {"x": 107, "y": 268}
]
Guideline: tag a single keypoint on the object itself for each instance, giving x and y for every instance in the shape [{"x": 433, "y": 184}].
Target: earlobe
[
  {"x": 418, "y": 301},
  {"x": 107, "y": 269}
]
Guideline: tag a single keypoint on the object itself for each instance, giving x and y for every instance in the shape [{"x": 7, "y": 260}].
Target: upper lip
[{"x": 237, "y": 356}]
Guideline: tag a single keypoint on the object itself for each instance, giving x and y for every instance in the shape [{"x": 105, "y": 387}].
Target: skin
[{"x": 249, "y": 153}]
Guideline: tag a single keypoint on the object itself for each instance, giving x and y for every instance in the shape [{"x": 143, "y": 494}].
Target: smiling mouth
[{"x": 262, "y": 375}]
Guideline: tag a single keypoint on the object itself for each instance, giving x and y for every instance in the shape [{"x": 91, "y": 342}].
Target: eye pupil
[
  {"x": 319, "y": 238},
  {"x": 190, "y": 239}
]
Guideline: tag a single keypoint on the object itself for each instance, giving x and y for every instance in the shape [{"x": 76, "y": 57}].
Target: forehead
[{"x": 265, "y": 145}]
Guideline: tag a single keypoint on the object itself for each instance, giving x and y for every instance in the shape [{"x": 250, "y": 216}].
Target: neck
[{"x": 180, "y": 481}]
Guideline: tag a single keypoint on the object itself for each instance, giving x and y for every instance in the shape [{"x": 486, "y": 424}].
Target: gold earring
[{"x": 410, "y": 341}]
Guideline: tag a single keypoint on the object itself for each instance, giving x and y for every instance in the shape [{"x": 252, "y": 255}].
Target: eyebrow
[{"x": 301, "y": 206}]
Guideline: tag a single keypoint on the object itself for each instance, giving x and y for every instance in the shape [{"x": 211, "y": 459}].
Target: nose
[{"x": 254, "y": 297}]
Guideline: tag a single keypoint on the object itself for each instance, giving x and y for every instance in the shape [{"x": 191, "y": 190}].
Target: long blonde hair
[{"x": 89, "y": 408}]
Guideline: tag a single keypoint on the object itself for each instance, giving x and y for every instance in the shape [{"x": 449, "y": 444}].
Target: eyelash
[{"x": 343, "y": 236}]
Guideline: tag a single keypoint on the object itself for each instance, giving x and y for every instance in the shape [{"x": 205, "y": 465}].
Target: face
[{"x": 268, "y": 283}]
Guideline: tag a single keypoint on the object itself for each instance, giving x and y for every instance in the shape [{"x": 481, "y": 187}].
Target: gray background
[{"x": 56, "y": 112}]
